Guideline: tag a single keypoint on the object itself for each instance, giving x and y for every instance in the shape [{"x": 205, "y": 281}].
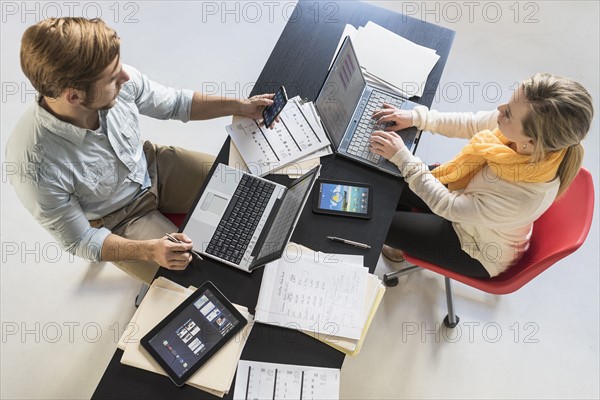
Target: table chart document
[
  {"x": 297, "y": 135},
  {"x": 261, "y": 380}
]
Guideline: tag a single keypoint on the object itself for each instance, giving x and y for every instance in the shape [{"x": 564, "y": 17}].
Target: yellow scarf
[{"x": 491, "y": 148}]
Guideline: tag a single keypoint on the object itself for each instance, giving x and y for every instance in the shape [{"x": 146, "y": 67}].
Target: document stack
[
  {"x": 293, "y": 147},
  {"x": 163, "y": 296},
  {"x": 330, "y": 297},
  {"x": 390, "y": 61}
]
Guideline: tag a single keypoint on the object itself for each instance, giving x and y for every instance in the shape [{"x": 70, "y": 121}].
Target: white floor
[{"x": 61, "y": 317}]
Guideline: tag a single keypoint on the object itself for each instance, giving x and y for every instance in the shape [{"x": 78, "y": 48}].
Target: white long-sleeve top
[{"x": 493, "y": 218}]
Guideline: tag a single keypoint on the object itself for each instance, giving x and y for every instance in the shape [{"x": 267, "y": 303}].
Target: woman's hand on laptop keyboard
[
  {"x": 393, "y": 118},
  {"x": 386, "y": 144}
]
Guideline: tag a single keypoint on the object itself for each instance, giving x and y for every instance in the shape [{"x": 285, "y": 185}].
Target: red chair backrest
[
  {"x": 177, "y": 219},
  {"x": 560, "y": 231}
]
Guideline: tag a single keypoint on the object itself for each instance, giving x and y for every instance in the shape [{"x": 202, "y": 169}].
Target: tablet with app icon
[{"x": 190, "y": 335}]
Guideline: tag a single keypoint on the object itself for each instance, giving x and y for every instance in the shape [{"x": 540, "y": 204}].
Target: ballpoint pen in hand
[
  {"x": 175, "y": 240},
  {"x": 350, "y": 242}
]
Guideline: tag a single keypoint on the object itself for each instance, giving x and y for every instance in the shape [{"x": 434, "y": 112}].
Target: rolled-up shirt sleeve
[
  {"x": 157, "y": 101},
  {"x": 61, "y": 215}
]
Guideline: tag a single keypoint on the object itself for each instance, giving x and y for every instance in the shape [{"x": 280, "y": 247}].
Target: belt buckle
[{"x": 96, "y": 223}]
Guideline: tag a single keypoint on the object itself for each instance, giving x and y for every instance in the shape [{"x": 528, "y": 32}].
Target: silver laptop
[
  {"x": 346, "y": 104},
  {"x": 246, "y": 221}
]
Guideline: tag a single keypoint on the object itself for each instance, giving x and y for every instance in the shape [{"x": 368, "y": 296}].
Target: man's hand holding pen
[{"x": 173, "y": 251}]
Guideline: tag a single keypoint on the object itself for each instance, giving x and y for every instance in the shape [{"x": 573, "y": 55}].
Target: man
[{"x": 85, "y": 174}]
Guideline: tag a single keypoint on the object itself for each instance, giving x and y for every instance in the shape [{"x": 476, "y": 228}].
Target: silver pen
[
  {"x": 350, "y": 242},
  {"x": 175, "y": 240}
]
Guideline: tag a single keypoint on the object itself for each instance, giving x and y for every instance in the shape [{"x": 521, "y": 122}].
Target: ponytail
[{"x": 569, "y": 167}]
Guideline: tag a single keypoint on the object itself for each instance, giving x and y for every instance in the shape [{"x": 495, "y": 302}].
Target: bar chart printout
[{"x": 260, "y": 380}]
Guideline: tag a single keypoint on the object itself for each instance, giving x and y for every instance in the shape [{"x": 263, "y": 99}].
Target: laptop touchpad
[{"x": 214, "y": 203}]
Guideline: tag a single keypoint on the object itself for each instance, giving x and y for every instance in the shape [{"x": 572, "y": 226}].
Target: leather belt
[{"x": 97, "y": 223}]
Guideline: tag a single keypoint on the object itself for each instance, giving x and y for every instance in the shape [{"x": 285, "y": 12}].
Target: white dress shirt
[{"x": 66, "y": 175}]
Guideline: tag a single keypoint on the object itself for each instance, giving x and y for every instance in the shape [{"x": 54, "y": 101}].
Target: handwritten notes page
[
  {"x": 297, "y": 135},
  {"x": 322, "y": 293},
  {"x": 260, "y": 380}
]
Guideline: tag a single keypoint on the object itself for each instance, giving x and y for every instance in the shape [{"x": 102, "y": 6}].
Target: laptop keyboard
[
  {"x": 239, "y": 222},
  {"x": 359, "y": 144}
]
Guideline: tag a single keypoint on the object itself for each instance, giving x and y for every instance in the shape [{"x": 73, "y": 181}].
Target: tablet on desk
[
  {"x": 188, "y": 337},
  {"x": 350, "y": 199}
]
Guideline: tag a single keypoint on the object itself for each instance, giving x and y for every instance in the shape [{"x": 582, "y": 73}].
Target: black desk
[{"x": 299, "y": 61}]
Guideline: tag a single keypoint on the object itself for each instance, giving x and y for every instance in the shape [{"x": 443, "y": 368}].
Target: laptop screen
[
  {"x": 341, "y": 92},
  {"x": 288, "y": 213}
]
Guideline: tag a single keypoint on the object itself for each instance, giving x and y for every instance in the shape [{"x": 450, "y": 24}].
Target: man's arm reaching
[{"x": 206, "y": 106}]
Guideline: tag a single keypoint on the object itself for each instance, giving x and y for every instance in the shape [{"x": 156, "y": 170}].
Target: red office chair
[
  {"x": 560, "y": 231},
  {"x": 176, "y": 219}
]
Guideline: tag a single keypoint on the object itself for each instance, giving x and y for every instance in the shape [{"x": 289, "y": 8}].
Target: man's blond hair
[{"x": 62, "y": 53}]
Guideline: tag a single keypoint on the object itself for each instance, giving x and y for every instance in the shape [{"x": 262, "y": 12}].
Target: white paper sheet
[
  {"x": 319, "y": 294},
  {"x": 260, "y": 380},
  {"x": 390, "y": 59},
  {"x": 394, "y": 59}
]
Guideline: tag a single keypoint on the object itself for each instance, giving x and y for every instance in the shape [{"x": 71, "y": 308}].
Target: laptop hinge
[
  {"x": 266, "y": 228},
  {"x": 266, "y": 259}
]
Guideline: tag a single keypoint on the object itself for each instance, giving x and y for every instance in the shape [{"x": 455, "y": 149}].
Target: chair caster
[
  {"x": 448, "y": 324},
  {"x": 390, "y": 282}
]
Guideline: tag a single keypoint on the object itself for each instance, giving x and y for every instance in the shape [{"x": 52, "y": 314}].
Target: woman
[{"x": 480, "y": 207}]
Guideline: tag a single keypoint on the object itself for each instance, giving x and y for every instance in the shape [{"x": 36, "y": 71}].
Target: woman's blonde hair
[
  {"x": 561, "y": 116},
  {"x": 61, "y": 53}
]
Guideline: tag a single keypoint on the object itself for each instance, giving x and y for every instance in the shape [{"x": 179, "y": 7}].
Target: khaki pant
[{"x": 177, "y": 176}]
